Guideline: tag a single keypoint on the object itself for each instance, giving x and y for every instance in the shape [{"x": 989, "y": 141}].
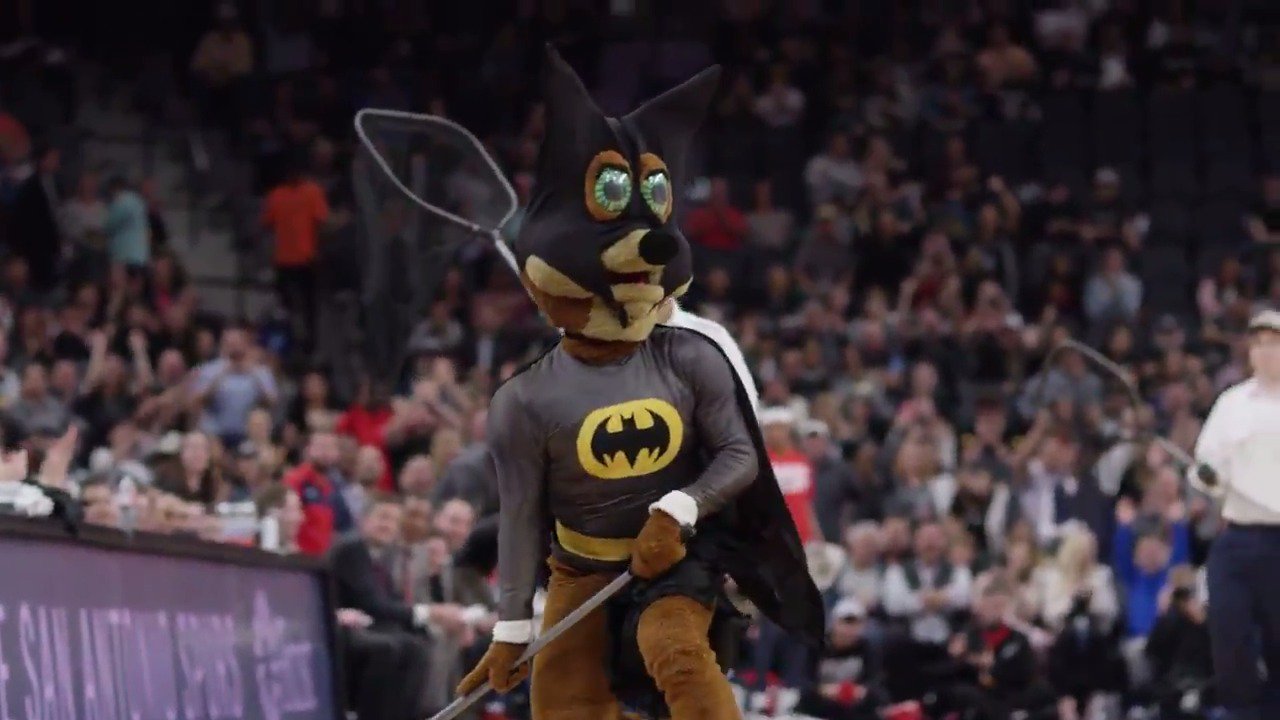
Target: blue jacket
[{"x": 1141, "y": 589}]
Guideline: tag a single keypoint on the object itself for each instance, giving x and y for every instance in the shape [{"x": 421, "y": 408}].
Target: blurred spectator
[
  {"x": 834, "y": 492},
  {"x": 998, "y": 674},
  {"x": 294, "y": 212},
  {"x": 848, "y": 686},
  {"x": 769, "y": 227},
  {"x": 313, "y": 409},
  {"x": 222, "y": 60},
  {"x": 1178, "y": 650},
  {"x": 782, "y": 103},
  {"x": 922, "y": 592},
  {"x": 34, "y": 230},
  {"x": 364, "y": 582},
  {"x": 84, "y": 215},
  {"x": 321, "y": 488},
  {"x": 453, "y": 521},
  {"x": 718, "y": 227},
  {"x": 834, "y": 176},
  {"x": 862, "y": 578},
  {"x": 1057, "y": 494},
  {"x": 1076, "y": 580},
  {"x": 370, "y": 468},
  {"x": 1113, "y": 294},
  {"x": 229, "y": 388},
  {"x": 1142, "y": 564},
  {"x": 983, "y": 508},
  {"x": 36, "y": 410},
  {"x": 792, "y": 468},
  {"x": 283, "y": 507},
  {"x": 195, "y": 477},
  {"x": 823, "y": 259},
  {"x": 127, "y": 229}
]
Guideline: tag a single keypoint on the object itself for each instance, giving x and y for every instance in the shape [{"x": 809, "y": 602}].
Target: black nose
[{"x": 658, "y": 247}]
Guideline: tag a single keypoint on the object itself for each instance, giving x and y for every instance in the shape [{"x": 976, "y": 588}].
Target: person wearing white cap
[
  {"x": 849, "y": 683},
  {"x": 1238, "y": 462},
  {"x": 795, "y": 478},
  {"x": 792, "y": 468}
]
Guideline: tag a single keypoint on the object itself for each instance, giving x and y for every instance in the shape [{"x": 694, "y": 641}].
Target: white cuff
[
  {"x": 680, "y": 506},
  {"x": 421, "y": 615},
  {"x": 1215, "y": 491},
  {"x": 513, "y": 632},
  {"x": 473, "y": 614}
]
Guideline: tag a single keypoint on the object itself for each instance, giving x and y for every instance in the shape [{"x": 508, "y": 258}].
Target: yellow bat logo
[{"x": 630, "y": 439}]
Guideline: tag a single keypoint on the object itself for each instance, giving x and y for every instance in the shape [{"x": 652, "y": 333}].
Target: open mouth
[{"x": 620, "y": 278}]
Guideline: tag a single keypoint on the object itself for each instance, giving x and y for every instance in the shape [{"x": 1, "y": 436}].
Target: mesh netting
[{"x": 428, "y": 196}]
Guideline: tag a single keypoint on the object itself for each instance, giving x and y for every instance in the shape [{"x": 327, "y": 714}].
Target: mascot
[{"x": 631, "y": 444}]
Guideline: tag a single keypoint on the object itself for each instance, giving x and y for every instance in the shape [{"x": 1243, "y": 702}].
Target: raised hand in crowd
[{"x": 54, "y": 471}]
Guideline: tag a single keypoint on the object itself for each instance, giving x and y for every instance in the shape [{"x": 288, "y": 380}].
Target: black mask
[{"x": 609, "y": 185}]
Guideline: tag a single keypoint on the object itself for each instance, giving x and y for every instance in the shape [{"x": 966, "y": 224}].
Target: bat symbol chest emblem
[{"x": 630, "y": 439}]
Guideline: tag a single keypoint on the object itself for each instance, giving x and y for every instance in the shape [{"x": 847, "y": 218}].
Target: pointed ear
[
  {"x": 571, "y": 112},
  {"x": 668, "y": 122}
]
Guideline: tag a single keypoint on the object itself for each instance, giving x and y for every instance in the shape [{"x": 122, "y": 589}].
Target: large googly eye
[
  {"x": 656, "y": 185},
  {"x": 656, "y": 191},
  {"x": 608, "y": 186},
  {"x": 613, "y": 189}
]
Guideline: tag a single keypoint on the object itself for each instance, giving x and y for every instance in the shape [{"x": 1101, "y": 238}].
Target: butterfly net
[{"x": 429, "y": 199}]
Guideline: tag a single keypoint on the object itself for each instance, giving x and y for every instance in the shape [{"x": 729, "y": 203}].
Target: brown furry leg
[
  {"x": 678, "y": 656},
  {"x": 569, "y": 678}
]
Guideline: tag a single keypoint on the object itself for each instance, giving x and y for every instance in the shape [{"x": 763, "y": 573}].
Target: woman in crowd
[
  {"x": 195, "y": 477},
  {"x": 1075, "y": 576}
]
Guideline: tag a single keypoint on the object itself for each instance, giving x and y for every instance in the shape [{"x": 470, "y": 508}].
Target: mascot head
[{"x": 599, "y": 250}]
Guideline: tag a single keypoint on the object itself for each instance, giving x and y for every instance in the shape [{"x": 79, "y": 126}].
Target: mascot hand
[
  {"x": 498, "y": 666},
  {"x": 658, "y": 548}
]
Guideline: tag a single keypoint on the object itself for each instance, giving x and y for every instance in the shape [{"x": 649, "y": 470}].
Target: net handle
[{"x": 441, "y": 212}]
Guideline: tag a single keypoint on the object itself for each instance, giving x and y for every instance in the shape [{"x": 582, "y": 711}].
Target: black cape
[{"x": 765, "y": 556}]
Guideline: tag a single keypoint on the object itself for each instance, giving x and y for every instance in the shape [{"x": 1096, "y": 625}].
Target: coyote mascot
[{"x": 631, "y": 444}]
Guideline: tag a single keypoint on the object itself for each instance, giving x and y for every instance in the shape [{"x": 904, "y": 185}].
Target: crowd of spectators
[{"x": 991, "y": 531}]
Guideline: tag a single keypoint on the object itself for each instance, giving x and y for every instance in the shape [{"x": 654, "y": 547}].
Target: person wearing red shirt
[
  {"x": 718, "y": 225},
  {"x": 793, "y": 469},
  {"x": 366, "y": 421},
  {"x": 294, "y": 213},
  {"x": 774, "y": 648},
  {"x": 323, "y": 509}
]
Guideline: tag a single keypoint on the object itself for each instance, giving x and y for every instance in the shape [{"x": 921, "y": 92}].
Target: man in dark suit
[
  {"x": 392, "y": 654},
  {"x": 1060, "y": 490},
  {"x": 486, "y": 345},
  {"x": 33, "y": 221},
  {"x": 363, "y": 571}
]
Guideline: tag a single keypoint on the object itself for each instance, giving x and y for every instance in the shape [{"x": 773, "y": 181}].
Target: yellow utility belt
[{"x": 594, "y": 548}]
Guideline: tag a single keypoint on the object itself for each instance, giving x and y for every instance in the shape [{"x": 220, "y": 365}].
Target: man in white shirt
[
  {"x": 926, "y": 590},
  {"x": 1240, "y": 445}
]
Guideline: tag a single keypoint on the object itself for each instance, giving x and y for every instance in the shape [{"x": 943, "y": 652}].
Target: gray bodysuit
[{"x": 595, "y": 445}]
